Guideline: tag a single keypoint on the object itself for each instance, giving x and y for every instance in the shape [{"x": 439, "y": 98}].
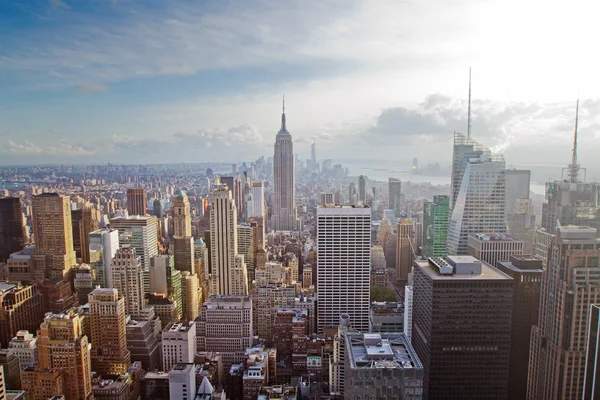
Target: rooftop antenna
[
  {"x": 469, "y": 112},
  {"x": 574, "y": 168}
]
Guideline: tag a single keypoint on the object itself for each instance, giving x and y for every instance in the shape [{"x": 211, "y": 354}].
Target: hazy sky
[{"x": 177, "y": 81}]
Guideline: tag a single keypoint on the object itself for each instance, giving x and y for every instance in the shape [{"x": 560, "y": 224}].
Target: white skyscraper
[
  {"x": 343, "y": 265},
  {"x": 480, "y": 202},
  {"x": 128, "y": 278},
  {"x": 104, "y": 243},
  {"x": 284, "y": 208},
  {"x": 256, "y": 205},
  {"x": 408, "y": 311},
  {"x": 229, "y": 276}
]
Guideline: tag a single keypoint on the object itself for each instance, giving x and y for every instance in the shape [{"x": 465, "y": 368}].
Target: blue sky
[{"x": 189, "y": 81}]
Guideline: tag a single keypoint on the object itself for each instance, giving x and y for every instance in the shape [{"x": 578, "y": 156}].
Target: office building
[
  {"x": 337, "y": 364},
  {"x": 44, "y": 384},
  {"x": 494, "y": 247},
  {"x": 62, "y": 345},
  {"x": 225, "y": 326},
  {"x": 569, "y": 285},
  {"x": 362, "y": 189},
  {"x": 386, "y": 316},
  {"x": 178, "y": 344},
  {"x": 12, "y": 238},
  {"x": 381, "y": 366},
  {"x": 266, "y": 299},
  {"x": 256, "y": 372},
  {"x": 229, "y": 274},
  {"x": 404, "y": 251},
  {"x": 479, "y": 206},
  {"x": 521, "y": 224},
  {"x": 165, "y": 308},
  {"x": 103, "y": 247},
  {"x": 526, "y": 272},
  {"x": 22, "y": 309},
  {"x": 464, "y": 150},
  {"x": 435, "y": 226},
  {"x": 352, "y": 194},
  {"x": 183, "y": 242},
  {"x": 136, "y": 201},
  {"x": 190, "y": 296},
  {"x": 182, "y": 381},
  {"x": 127, "y": 278},
  {"x": 165, "y": 279},
  {"x": 159, "y": 208},
  {"x": 284, "y": 216},
  {"x": 21, "y": 268},
  {"x": 24, "y": 347},
  {"x": 408, "y": 312},
  {"x": 247, "y": 245},
  {"x": 343, "y": 265},
  {"x": 591, "y": 385},
  {"x": 256, "y": 205},
  {"x": 109, "y": 354},
  {"x": 462, "y": 311},
  {"x": 517, "y": 187},
  {"x": 141, "y": 234},
  {"x": 313, "y": 156},
  {"x": 54, "y": 254},
  {"x": 83, "y": 221},
  {"x": 83, "y": 281},
  {"x": 9, "y": 363},
  {"x": 395, "y": 191},
  {"x": 143, "y": 342}
]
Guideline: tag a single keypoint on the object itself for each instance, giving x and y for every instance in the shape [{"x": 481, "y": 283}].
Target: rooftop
[
  {"x": 524, "y": 264},
  {"x": 431, "y": 268},
  {"x": 381, "y": 350},
  {"x": 494, "y": 237}
]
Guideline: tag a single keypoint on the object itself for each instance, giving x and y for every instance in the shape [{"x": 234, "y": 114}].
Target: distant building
[
  {"x": 517, "y": 187},
  {"x": 103, "y": 247},
  {"x": 521, "y": 224},
  {"x": 435, "y": 226},
  {"x": 404, "y": 251},
  {"x": 381, "y": 366},
  {"x": 128, "y": 278},
  {"x": 494, "y": 247},
  {"x": 362, "y": 189},
  {"x": 12, "y": 238},
  {"x": 445, "y": 293},
  {"x": 395, "y": 191},
  {"x": 136, "y": 201},
  {"x": 23, "y": 309}
]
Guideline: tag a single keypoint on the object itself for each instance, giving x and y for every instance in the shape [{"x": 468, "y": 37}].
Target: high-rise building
[
  {"x": 182, "y": 381},
  {"x": 54, "y": 252},
  {"x": 190, "y": 296},
  {"x": 465, "y": 149},
  {"x": 284, "y": 216},
  {"x": 225, "y": 326},
  {"x": 12, "y": 237},
  {"x": 104, "y": 244},
  {"x": 178, "y": 344},
  {"x": 494, "y": 247},
  {"x": 136, "y": 201},
  {"x": 558, "y": 342},
  {"x": 343, "y": 265},
  {"x": 140, "y": 233},
  {"x": 408, "y": 312},
  {"x": 381, "y": 366},
  {"x": 183, "y": 242},
  {"x": 109, "y": 352},
  {"x": 9, "y": 363},
  {"x": 127, "y": 277},
  {"x": 352, "y": 194},
  {"x": 362, "y": 189},
  {"x": 164, "y": 278},
  {"x": 84, "y": 221},
  {"x": 159, "y": 208},
  {"x": 526, "y": 272},
  {"x": 44, "y": 384},
  {"x": 22, "y": 309},
  {"x": 313, "y": 155},
  {"x": 479, "y": 206},
  {"x": 143, "y": 342},
  {"x": 247, "y": 245},
  {"x": 591, "y": 385},
  {"x": 62, "y": 345},
  {"x": 404, "y": 251},
  {"x": 517, "y": 187},
  {"x": 266, "y": 299},
  {"x": 24, "y": 347},
  {"x": 521, "y": 224},
  {"x": 229, "y": 274},
  {"x": 257, "y": 208},
  {"x": 395, "y": 191},
  {"x": 462, "y": 311},
  {"x": 435, "y": 226}
]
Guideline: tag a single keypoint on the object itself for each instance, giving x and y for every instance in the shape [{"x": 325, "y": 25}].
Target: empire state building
[{"x": 284, "y": 216}]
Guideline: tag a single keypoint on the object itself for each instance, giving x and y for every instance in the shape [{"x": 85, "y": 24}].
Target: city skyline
[{"x": 187, "y": 98}]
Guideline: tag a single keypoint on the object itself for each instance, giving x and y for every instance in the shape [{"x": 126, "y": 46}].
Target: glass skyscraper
[{"x": 435, "y": 226}]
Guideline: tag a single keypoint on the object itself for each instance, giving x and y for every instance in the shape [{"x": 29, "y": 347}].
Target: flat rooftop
[
  {"x": 494, "y": 237},
  {"x": 487, "y": 272},
  {"x": 381, "y": 350}
]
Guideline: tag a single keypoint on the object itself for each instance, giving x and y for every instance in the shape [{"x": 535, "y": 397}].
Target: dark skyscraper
[
  {"x": 461, "y": 328},
  {"x": 11, "y": 227},
  {"x": 136, "y": 201},
  {"x": 362, "y": 189},
  {"x": 395, "y": 190},
  {"x": 159, "y": 208},
  {"x": 591, "y": 386},
  {"x": 526, "y": 272}
]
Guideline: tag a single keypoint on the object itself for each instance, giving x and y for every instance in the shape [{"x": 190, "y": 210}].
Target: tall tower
[
  {"x": 109, "y": 352},
  {"x": 343, "y": 265},
  {"x": 229, "y": 276},
  {"x": 136, "y": 201},
  {"x": 128, "y": 278},
  {"x": 404, "y": 252},
  {"x": 190, "y": 296},
  {"x": 480, "y": 204},
  {"x": 435, "y": 226},
  {"x": 313, "y": 155},
  {"x": 183, "y": 241},
  {"x": 284, "y": 208},
  {"x": 464, "y": 149},
  {"x": 570, "y": 283},
  {"x": 62, "y": 345},
  {"x": 53, "y": 235},
  {"x": 11, "y": 227},
  {"x": 395, "y": 190},
  {"x": 362, "y": 189},
  {"x": 103, "y": 244}
]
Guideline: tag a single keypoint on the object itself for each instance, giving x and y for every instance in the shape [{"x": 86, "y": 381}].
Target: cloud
[
  {"x": 59, "y": 4},
  {"x": 61, "y": 148},
  {"x": 84, "y": 88}
]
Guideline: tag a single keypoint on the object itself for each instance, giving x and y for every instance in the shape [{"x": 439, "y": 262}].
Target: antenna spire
[
  {"x": 283, "y": 129},
  {"x": 574, "y": 166},
  {"x": 469, "y": 112}
]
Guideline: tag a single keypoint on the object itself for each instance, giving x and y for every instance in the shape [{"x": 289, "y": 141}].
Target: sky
[{"x": 145, "y": 81}]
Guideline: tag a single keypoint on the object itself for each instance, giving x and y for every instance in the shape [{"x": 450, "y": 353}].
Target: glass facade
[{"x": 435, "y": 226}]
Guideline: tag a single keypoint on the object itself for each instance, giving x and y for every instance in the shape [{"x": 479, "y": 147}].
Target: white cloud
[{"x": 84, "y": 88}]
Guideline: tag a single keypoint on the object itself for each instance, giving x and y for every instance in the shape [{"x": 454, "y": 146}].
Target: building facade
[
  {"x": 128, "y": 279},
  {"x": 136, "y": 201},
  {"x": 435, "y": 226},
  {"x": 12, "y": 238},
  {"x": 493, "y": 247}
]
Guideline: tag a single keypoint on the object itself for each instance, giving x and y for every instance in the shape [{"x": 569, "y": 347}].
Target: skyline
[{"x": 98, "y": 82}]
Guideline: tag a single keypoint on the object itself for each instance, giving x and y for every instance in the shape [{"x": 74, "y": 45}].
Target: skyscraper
[
  {"x": 89, "y": 223},
  {"x": 109, "y": 354},
  {"x": 313, "y": 155},
  {"x": 284, "y": 216},
  {"x": 183, "y": 242},
  {"x": 404, "y": 251},
  {"x": 127, "y": 278},
  {"x": 229, "y": 275},
  {"x": 465, "y": 149},
  {"x": 570, "y": 283},
  {"x": 521, "y": 223},
  {"x": 11, "y": 227},
  {"x": 136, "y": 201},
  {"x": 54, "y": 252},
  {"x": 362, "y": 189},
  {"x": 257, "y": 207},
  {"x": 494, "y": 247},
  {"x": 104, "y": 244},
  {"x": 395, "y": 191},
  {"x": 189, "y": 296},
  {"x": 479, "y": 206},
  {"x": 517, "y": 187},
  {"x": 435, "y": 226},
  {"x": 343, "y": 265},
  {"x": 352, "y": 194},
  {"x": 462, "y": 328},
  {"x": 591, "y": 386}
]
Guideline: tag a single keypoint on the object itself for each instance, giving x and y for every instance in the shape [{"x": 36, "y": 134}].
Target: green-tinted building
[{"x": 435, "y": 226}]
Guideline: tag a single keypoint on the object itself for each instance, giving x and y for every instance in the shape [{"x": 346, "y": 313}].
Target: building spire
[
  {"x": 469, "y": 112},
  {"x": 283, "y": 128},
  {"x": 574, "y": 166}
]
